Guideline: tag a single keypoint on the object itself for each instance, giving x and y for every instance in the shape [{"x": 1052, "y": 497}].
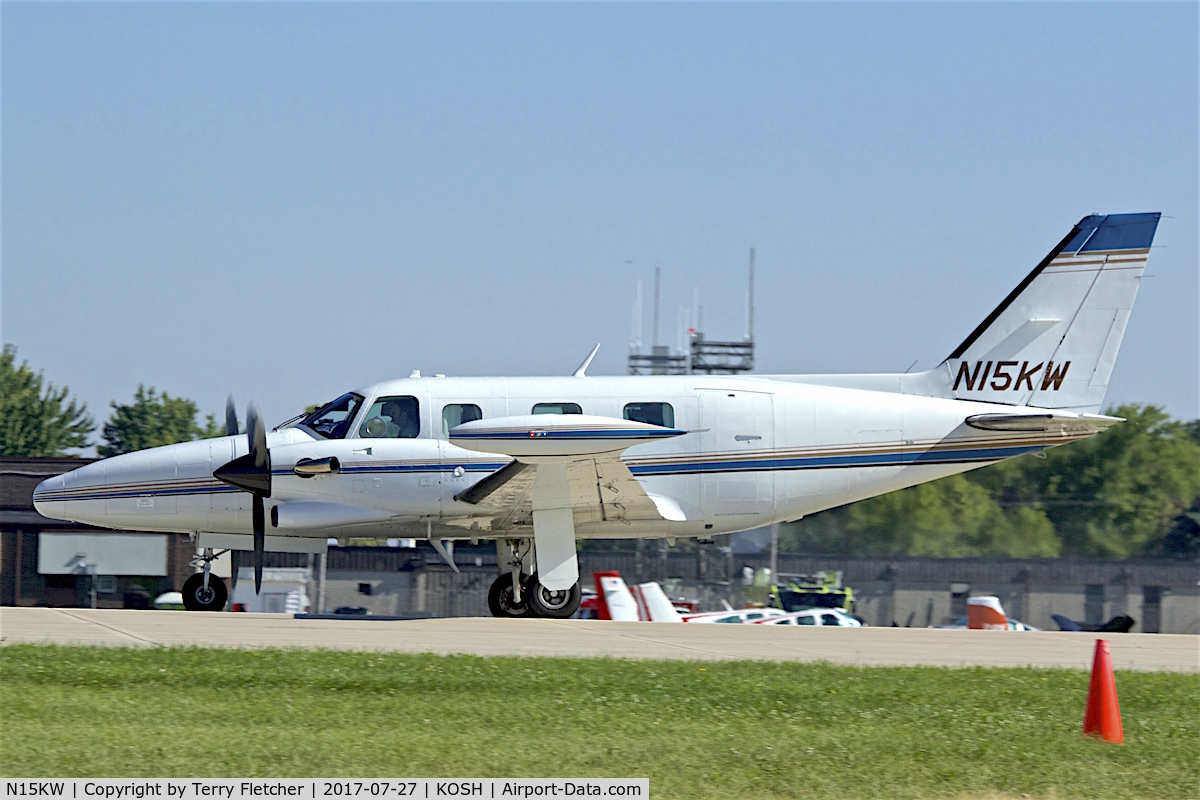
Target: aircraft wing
[{"x": 602, "y": 488}]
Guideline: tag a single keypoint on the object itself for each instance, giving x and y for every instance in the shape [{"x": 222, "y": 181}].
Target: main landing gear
[
  {"x": 515, "y": 594},
  {"x": 533, "y": 599},
  {"x": 205, "y": 591}
]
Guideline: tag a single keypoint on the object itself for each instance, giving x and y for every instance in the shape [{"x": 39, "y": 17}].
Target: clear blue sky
[{"x": 286, "y": 201}]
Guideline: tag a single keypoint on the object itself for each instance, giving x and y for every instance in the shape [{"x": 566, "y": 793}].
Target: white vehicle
[
  {"x": 736, "y": 616},
  {"x": 814, "y": 616},
  {"x": 284, "y": 590},
  {"x": 169, "y": 601},
  {"x": 536, "y": 463}
]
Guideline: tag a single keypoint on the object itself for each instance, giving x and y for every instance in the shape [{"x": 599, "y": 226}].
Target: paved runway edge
[{"x": 593, "y": 639}]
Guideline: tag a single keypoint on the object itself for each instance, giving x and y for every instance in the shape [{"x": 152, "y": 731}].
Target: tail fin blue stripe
[{"x": 1113, "y": 232}]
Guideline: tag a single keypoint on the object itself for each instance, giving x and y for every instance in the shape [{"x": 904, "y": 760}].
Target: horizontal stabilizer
[{"x": 1049, "y": 423}]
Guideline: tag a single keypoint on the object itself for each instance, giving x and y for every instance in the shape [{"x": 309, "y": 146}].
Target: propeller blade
[
  {"x": 260, "y": 539},
  {"x": 256, "y": 433},
  {"x": 231, "y": 423}
]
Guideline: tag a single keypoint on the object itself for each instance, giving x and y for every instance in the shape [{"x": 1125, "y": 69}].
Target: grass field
[{"x": 743, "y": 729}]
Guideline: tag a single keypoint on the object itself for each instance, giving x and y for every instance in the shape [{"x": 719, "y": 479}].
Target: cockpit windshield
[{"x": 333, "y": 420}]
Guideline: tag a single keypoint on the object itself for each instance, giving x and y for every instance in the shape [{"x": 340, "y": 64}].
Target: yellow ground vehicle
[{"x": 819, "y": 590}]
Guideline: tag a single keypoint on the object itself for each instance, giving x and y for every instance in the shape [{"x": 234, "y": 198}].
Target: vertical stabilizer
[
  {"x": 1053, "y": 341},
  {"x": 986, "y": 614},
  {"x": 657, "y": 605},
  {"x": 615, "y": 597}
]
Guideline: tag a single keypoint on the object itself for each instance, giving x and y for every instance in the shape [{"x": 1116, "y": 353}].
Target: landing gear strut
[
  {"x": 507, "y": 597},
  {"x": 504, "y": 601},
  {"x": 205, "y": 591}
]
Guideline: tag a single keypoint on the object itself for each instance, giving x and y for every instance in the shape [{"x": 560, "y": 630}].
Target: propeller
[
  {"x": 231, "y": 423},
  {"x": 251, "y": 473}
]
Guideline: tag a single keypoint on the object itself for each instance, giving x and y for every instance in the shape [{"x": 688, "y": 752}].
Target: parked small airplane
[
  {"x": 1122, "y": 623},
  {"x": 984, "y": 613},
  {"x": 820, "y": 617},
  {"x": 536, "y": 463},
  {"x": 645, "y": 602}
]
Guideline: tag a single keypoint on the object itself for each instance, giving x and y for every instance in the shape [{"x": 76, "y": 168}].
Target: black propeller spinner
[{"x": 250, "y": 473}]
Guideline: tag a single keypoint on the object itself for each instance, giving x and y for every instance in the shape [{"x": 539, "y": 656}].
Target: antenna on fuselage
[{"x": 581, "y": 370}]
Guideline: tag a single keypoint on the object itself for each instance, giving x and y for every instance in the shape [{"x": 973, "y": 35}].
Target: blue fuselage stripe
[
  {"x": 596, "y": 434},
  {"x": 763, "y": 463},
  {"x": 835, "y": 462}
]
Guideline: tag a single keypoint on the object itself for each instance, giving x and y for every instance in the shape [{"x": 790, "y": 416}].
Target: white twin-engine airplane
[{"x": 537, "y": 463}]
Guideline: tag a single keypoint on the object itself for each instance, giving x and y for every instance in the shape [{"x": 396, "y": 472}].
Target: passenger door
[{"x": 736, "y": 478}]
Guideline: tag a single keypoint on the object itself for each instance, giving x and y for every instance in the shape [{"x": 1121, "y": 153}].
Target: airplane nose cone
[
  {"x": 47, "y": 498},
  {"x": 72, "y": 495}
]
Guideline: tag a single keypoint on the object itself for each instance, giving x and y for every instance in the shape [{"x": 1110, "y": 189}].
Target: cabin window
[
  {"x": 392, "y": 418},
  {"x": 334, "y": 419},
  {"x": 456, "y": 414},
  {"x": 651, "y": 413},
  {"x": 806, "y": 620},
  {"x": 557, "y": 408}
]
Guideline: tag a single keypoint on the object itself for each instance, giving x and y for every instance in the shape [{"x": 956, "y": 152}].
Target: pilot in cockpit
[{"x": 401, "y": 423}]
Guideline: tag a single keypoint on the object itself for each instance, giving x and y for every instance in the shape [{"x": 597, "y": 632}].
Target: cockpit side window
[
  {"x": 456, "y": 414},
  {"x": 651, "y": 413},
  {"x": 333, "y": 420},
  {"x": 557, "y": 408},
  {"x": 392, "y": 418}
]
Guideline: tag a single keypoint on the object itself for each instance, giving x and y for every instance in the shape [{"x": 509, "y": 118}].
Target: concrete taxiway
[{"x": 576, "y": 638}]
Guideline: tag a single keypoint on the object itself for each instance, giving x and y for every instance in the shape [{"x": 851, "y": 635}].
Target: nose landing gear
[{"x": 205, "y": 591}]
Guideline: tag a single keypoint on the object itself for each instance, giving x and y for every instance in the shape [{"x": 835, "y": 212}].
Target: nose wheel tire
[
  {"x": 558, "y": 604},
  {"x": 197, "y": 598},
  {"x": 500, "y": 598}
]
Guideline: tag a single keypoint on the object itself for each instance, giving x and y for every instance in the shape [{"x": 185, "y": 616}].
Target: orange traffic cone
[{"x": 1103, "y": 716}]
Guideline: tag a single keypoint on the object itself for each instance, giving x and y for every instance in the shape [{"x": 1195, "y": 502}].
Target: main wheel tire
[
  {"x": 500, "y": 598},
  {"x": 197, "y": 598},
  {"x": 558, "y": 604}
]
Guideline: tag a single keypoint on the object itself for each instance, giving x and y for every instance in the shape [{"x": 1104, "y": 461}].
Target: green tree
[
  {"x": 952, "y": 517},
  {"x": 1114, "y": 495},
  {"x": 152, "y": 420},
  {"x": 37, "y": 420}
]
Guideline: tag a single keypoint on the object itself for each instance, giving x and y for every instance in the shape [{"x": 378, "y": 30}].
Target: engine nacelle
[{"x": 553, "y": 437}]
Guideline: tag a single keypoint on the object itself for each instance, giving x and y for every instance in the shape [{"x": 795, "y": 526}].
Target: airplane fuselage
[{"x": 760, "y": 451}]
